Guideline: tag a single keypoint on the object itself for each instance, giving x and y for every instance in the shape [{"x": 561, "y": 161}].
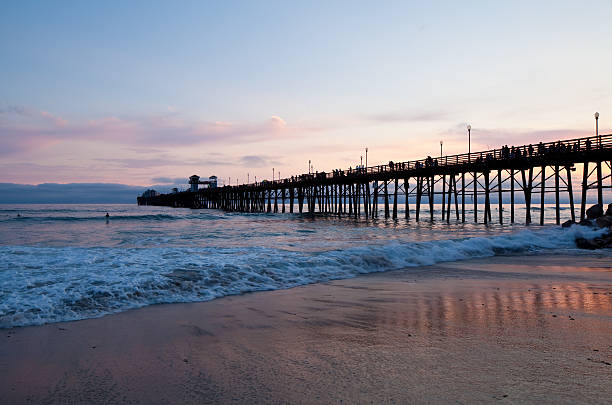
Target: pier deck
[{"x": 497, "y": 174}]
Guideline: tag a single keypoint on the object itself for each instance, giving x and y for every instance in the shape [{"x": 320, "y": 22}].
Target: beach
[{"x": 516, "y": 329}]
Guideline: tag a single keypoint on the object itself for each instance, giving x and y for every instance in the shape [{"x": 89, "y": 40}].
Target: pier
[{"x": 457, "y": 182}]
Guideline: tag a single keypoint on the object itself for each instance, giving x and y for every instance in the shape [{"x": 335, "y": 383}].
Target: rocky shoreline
[{"x": 595, "y": 218}]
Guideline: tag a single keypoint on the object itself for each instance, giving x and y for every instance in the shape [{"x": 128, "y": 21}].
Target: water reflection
[{"x": 487, "y": 311}]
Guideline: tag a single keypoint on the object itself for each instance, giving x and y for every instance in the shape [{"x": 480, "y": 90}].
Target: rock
[
  {"x": 604, "y": 221},
  {"x": 594, "y": 212},
  {"x": 609, "y": 210},
  {"x": 583, "y": 243},
  {"x": 568, "y": 223},
  {"x": 586, "y": 222}
]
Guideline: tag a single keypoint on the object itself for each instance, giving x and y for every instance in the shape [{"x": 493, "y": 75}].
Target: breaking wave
[{"x": 52, "y": 284}]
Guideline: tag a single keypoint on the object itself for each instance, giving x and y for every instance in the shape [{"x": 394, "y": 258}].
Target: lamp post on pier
[
  {"x": 308, "y": 166},
  {"x": 440, "y": 151},
  {"x": 366, "y": 157},
  {"x": 272, "y": 175},
  {"x": 596, "y": 115},
  {"x": 469, "y": 128}
]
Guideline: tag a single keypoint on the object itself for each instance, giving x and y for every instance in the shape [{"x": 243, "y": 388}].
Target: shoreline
[{"x": 533, "y": 328}]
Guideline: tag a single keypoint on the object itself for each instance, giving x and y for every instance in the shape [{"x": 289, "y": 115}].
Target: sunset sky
[{"x": 145, "y": 92}]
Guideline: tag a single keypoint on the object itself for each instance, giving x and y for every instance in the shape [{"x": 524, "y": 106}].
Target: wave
[
  {"x": 101, "y": 217},
  {"x": 46, "y": 284}
]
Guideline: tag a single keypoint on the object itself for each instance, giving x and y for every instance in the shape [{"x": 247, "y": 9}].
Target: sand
[{"x": 511, "y": 330}]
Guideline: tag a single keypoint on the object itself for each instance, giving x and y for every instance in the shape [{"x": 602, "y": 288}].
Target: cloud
[
  {"x": 168, "y": 180},
  {"x": 166, "y": 160},
  {"x": 277, "y": 123},
  {"x": 16, "y": 110},
  {"x": 42, "y": 128},
  {"x": 406, "y": 116},
  {"x": 54, "y": 119},
  {"x": 255, "y": 161}
]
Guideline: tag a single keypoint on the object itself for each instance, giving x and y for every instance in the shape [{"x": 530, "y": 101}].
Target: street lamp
[
  {"x": 597, "y": 128},
  {"x": 272, "y": 175},
  {"x": 308, "y": 166},
  {"x": 361, "y": 161},
  {"x": 440, "y": 151},
  {"x": 469, "y": 128},
  {"x": 366, "y": 157}
]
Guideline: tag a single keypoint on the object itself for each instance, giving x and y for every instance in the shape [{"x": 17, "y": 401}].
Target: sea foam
[{"x": 51, "y": 284}]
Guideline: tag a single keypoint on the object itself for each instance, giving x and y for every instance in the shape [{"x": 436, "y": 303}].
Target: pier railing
[{"x": 539, "y": 150}]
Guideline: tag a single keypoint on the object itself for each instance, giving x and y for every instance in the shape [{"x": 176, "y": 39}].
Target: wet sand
[{"x": 511, "y": 330}]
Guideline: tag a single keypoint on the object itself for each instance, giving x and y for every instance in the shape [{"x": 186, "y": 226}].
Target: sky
[{"x": 151, "y": 92}]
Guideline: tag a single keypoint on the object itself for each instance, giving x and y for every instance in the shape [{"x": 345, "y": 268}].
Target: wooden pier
[{"x": 457, "y": 182}]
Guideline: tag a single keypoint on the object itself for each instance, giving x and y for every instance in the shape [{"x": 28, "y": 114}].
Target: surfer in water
[{"x": 107, "y": 215}]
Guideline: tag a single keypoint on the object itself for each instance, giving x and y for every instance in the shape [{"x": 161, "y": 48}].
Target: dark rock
[
  {"x": 583, "y": 243},
  {"x": 568, "y": 223},
  {"x": 604, "y": 221},
  {"x": 586, "y": 222},
  {"x": 594, "y": 212},
  {"x": 609, "y": 210},
  {"x": 595, "y": 243}
]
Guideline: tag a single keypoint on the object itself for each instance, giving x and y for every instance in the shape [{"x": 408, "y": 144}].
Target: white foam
[{"x": 51, "y": 284}]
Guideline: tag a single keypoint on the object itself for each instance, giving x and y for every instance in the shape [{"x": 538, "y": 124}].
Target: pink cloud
[{"x": 18, "y": 135}]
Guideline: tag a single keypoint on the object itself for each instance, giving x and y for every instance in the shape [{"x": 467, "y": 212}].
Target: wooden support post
[
  {"x": 448, "y": 205},
  {"x": 395, "y": 198},
  {"x": 406, "y": 191},
  {"x": 283, "y": 198},
  {"x": 443, "y": 194},
  {"x": 599, "y": 185},
  {"x": 557, "y": 208},
  {"x": 500, "y": 201},
  {"x": 419, "y": 192},
  {"x": 475, "y": 197},
  {"x": 542, "y": 191},
  {"x": 527, "y": 188},
  {"x": 275, "y": 201},
  {"x": 487, "y": 199},
  {"x": 350, "y": 201},
  {"x": 386, "y": 199},
  {"x": 455, "y": 192},
  {"x": 585, "y": 177},
  {"x": 462, "y": 196},
  {"x": 336, "y": 201},
  {"x": 300, "y": 199},
  {"x": 375, "y": 201},
  {"x": 511, "y": 196},
  {"x": 269, "y": 200},
  {"x": 570, "y": 192},
  {"x": 431, "y": 198},
  {"x": 357, "y": 200},
  {"x": 367, "y": 196}
]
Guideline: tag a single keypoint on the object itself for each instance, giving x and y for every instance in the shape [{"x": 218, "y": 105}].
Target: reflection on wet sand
[
  {"x": 536, "y": 308},
  {"x": 428, "y": 335}
]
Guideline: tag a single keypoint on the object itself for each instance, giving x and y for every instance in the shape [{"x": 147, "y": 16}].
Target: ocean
[{"x": 69, "y": 262}]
